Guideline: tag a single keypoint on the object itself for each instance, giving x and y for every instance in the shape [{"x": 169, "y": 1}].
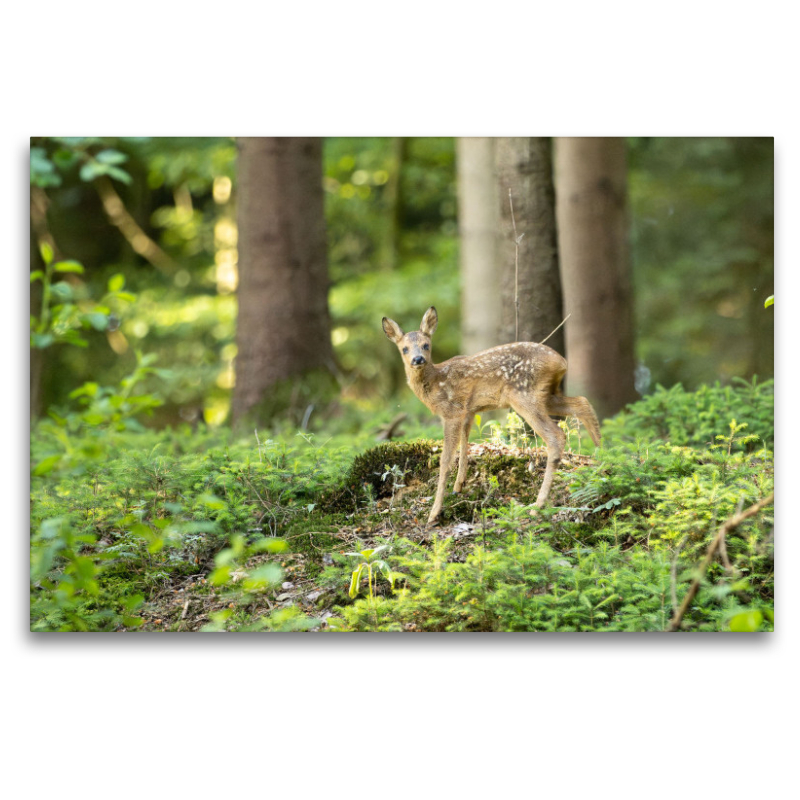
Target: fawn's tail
[{"x": 560, "y": 405}]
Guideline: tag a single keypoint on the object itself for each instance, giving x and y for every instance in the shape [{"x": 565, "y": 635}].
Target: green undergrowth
[{"x": 192, "y": 529}]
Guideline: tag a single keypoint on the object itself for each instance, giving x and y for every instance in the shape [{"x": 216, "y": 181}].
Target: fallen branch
[
  {"x": 120, "y": 218},
  {"x": 726, "y": 527},
  {"x": 386, "y": 432}
]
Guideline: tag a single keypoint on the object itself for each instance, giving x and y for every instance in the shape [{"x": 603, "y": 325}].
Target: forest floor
[{"x": 499, "y": 474}]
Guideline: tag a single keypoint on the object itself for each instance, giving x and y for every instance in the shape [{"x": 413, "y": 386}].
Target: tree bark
[
  {"x": 524, "y": 165},
  {"x": 39, "y": 232},
  {"x": 283, "y": 327},
  {"x": 591, "y": 191},
  {"x": 478, "y": 225}
]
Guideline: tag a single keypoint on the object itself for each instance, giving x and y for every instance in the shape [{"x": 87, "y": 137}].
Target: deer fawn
[{"x": 523, "y": 376}]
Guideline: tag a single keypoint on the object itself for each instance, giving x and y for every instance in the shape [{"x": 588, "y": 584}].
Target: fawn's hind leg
[
  {"x": 535, "y": 411},
  {"x": 463, "y": 458}
]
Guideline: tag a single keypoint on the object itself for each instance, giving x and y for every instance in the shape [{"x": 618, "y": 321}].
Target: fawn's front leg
[{"x": 452, "y": 432}]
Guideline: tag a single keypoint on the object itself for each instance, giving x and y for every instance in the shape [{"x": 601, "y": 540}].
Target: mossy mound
[{"x": 365, "y": 477}]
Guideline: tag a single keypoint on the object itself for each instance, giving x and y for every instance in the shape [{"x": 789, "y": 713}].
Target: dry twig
[
  {"x": 386, "y": 432},
  {"x": 517, "y": 240},
  {"x": 555, "y": 329},
  {"x": 728, "y": 525}
]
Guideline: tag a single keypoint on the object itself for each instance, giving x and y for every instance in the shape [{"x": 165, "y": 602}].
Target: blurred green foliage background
[{"x": 701, "y": 250}]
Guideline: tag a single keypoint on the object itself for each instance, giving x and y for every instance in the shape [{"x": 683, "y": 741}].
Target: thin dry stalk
[
  {"x": 725, "y": 528},
  {"x": 555, "y": 329},
  {"x": 517, "y": 240}
]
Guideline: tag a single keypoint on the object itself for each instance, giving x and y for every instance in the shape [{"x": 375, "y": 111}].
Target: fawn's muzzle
[{"x": 417, "y": 361}]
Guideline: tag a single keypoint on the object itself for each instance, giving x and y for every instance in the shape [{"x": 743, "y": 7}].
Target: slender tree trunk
[
  {"x": 283, "y": 327},
  {"x": 478, "y": 223},
  {"x": 37, "y": 355},
  {"x": 524, "y": 166},
  {"x": 591, "y": 188},
  {"x": 394, "y": 205},
  {"x": 39, "y": 232}
]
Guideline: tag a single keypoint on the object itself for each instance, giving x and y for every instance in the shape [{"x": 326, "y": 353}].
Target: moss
[{"x": 363, "y": 480}]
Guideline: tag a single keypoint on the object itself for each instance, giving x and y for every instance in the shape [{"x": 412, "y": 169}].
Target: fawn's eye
[
  {"x": 405, "y": 350},
  {"x": 426, "y": 347}
]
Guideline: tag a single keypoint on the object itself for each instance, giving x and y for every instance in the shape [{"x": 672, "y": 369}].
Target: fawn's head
[{"x": 415, "y": 347}]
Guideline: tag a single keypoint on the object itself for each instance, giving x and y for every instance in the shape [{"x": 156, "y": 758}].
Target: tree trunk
[
  {"x": 525, "y": 167},
  {"x": 39, "y": 232},
  {"x": 393, "y": 199},
  {"x": 478, "y": 224},
  {"x": 283, "y": 327},
  {"x": 591, "y": 191}
]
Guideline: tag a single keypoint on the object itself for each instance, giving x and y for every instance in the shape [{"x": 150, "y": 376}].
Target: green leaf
[
  {"x": 211, "y": 501},
  {"x": 120, "y": 175},
  {"x": 73, "y": 338},
  {"x": 84, "y": 567},
  {"x": 61, "y": 291},
  {"x": 225, "y": 557},
  {"x": 64, "y": 158},
  {"x": 37, "y": 275},
  {"x": 133, "y": 602},
  {"x": 46, "y": 465},
  {"x": 746, "y": 622},
  {"x": 89, "y": 389},
  {"x": 91, "y": 170},
  {"x": 270, "y": 545},
  {"x": 769, "y": 301},
  {"x": 355, "y": 579},
  {"x": 47, "y": 252},
  {"x": 97, "y": 320},
  {"x": 220, "y": 575},
  {"x": 111, "y": 157},
  {"x": 70, "y": 265},
  {"x": 156, "y": 544},
  {"x": 116, "y": 282},
  {"x": 42, "y": 340},
  {"x": 263, "y": 577},
  {"x": 43, "y": 171}
]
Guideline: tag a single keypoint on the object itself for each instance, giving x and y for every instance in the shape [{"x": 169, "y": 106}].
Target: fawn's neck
[{"x": 424, "y": 381}]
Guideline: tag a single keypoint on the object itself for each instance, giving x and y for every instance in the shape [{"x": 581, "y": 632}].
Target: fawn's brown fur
[{"x": 523, "y": 376}]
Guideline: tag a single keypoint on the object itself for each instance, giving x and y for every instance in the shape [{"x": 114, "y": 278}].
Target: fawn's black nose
[{"x": 417, "y": 361}]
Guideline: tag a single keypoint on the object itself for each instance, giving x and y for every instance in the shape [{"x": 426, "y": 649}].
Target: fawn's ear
[
  {"x": 392, "y": 330},
  {"x": 429, "y": 322}
]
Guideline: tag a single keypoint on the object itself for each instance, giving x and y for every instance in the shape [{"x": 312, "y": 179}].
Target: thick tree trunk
[
  {"x": 591, "y": 190},
  {"x": 283, "y": 327},
  {"x": 524, "y": 166},
  {"x": 478, "y": 224}
]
